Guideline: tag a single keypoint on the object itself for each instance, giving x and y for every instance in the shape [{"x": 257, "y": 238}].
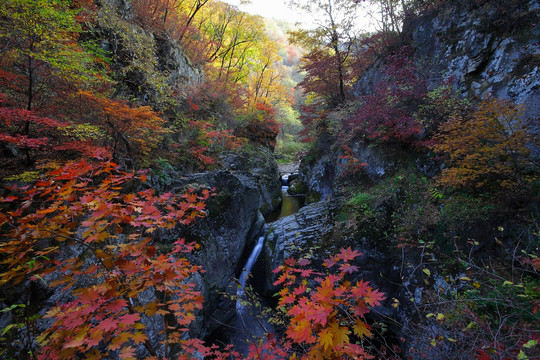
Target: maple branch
[
  {"x": 147, "y": 344},
  {"x": 80, "y": 242}
]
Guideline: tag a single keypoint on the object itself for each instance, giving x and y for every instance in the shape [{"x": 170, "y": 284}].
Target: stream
[
  {"x": 289, "y": 204},
  {"x": 249, "y": 323}
]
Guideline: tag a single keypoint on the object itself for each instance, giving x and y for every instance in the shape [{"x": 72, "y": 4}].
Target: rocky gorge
[{"x": 393, "y": 210}]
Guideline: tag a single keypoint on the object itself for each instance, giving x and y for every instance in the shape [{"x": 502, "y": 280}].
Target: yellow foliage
[{"x": 487, "y": 149}]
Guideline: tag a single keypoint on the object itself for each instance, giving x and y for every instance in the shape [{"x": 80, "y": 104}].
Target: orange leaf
[
  {"x": 139, "y": 337},
  {"x": 326, "y": 338},
  {"x": 362, "y": 329}
]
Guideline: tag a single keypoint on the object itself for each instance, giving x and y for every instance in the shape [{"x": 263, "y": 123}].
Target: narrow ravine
[{"x": 249, "y": 323}]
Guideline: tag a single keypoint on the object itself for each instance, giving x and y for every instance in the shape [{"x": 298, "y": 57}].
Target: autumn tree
[
  {"x": 12, "y": 136},
  {"x": 197, "y": 144},
  {"x": 389, "y": 113},
  {"x": 78, "y": 231},
  {"x": 213, "y": 25},
  {"x": 261, "y": 126},
  {"x": 132, "y": 131},
  {"x": 264, "y": 82},
  {"x": 329, "y": 47},
  {"x": 174, "y": 17},
  {"x": 326, "y": 311},
  {"x": 43, "y": 60},
  {"x": 487, "y": 149},
  {"x": 39, "y": 41},
  {"x": 388, "y": 15}
]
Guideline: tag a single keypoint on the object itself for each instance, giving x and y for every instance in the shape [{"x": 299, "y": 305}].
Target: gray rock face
[
  {"x": 233, "y": 221},
  {"x": 456, "y": 43},
  {"x": 463, "y": 42},
  {"x": 293, "y": 235},
  {"x": 319, "y": 177},
  {"x": 260, "y": 166},
  {"x": 248, "y": 184},
  {"x": 156, "y": 61},
  {"x": 502, "y": 62},
  {"x": 173, "y": 61}
]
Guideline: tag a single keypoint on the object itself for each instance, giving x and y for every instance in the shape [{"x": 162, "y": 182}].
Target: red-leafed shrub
[
  {"x": 313, "y": 121},
  {"x": 388, "y": 113},
  {"x": 198, "y": 143},
  {"x": 261, "y": 127},
  {"x": 349, "y": 162}
]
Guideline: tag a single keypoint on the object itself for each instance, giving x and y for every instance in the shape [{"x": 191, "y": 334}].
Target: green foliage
[
  {"x": 438, "y": 106},
  {"x": 298, "y": 187},
  {"x": 362, "y": 203},
  {"x": 162, "y": 169},
  {"x": 287, "y": 147},
  {"x": 134, "y": 53},
  {"x": 45, "y": 30},
  {"x": 25, "y": 177},
  {"x": 489, "y": 314},
  {"x": 85, "y": 131}
]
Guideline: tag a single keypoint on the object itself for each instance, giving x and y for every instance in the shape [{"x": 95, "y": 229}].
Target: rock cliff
[
  {"x": 490, "y": 48},
  {"x": 247, "y": 186},
  {"x": 148, "y": 64},
  {"x": 483, "y": 47}
]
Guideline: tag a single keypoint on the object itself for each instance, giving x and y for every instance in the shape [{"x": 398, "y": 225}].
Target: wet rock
[
  {"x": 257, "y": 164},
  {"x": 246, "y": 186},
  {"x": 232, "y": 222},
  {"x": 294, "y": 235}
]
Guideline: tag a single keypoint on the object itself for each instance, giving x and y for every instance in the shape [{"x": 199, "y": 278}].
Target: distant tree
[
  {"x": 261, "y": 125},
  {"x": 174, "y": 17},
  {"x": 329, "y": 47}
]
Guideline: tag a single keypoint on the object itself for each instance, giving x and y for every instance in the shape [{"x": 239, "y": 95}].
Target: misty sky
[{"x": 278, "y": 9}]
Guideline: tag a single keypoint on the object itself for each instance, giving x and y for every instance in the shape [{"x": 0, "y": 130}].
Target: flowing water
[
  {"x": 245, "y": 273},
  {"x": 289, "y": 204},
  {"x": 248, "y": 322}
]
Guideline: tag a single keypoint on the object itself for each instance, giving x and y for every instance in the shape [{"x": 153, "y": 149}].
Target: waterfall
[
  {"x": 250, "y": 324},
  {"x": 284, "y": 181},
  {"x": 245, "y": 273}
]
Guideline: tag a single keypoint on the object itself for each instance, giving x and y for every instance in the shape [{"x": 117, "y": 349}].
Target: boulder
[
  {"x": 257, "y": 162},
  {"x": 293, "y": 236}
]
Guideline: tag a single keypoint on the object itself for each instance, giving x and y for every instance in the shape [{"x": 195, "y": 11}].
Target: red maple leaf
[
  {"x": 373, "y": 297},
  {"x": 347, "y": 254},
  {"x": 108, "y": 324},
  {"x": 129, "y": 319},
  {"x": 304, "y": 262},
  {"x": 348, "y": 268}
]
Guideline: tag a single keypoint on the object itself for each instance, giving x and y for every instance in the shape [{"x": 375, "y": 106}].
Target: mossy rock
[
  {"x": 218, "y": 202},
  {"x": 298, "y": 188},
  {"x": 313, "y": 197},
  {"x": 268, "y": 208}
]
